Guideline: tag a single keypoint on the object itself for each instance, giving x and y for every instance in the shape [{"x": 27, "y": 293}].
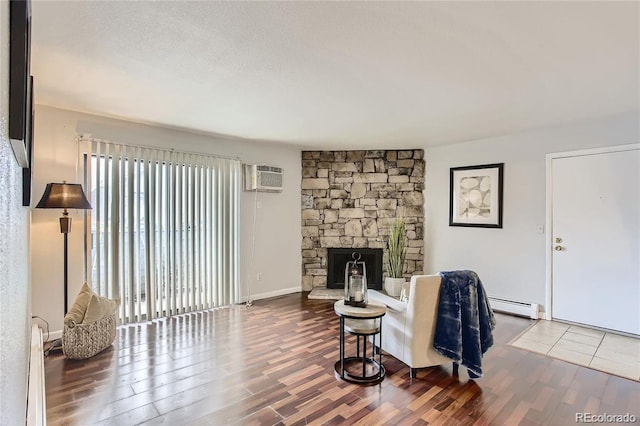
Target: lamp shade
[{"x": 63, "y": 196}]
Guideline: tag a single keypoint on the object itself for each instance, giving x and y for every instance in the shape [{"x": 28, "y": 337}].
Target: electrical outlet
[
  {"x": 540, "y": 229},
  {"x": 259, "y": 276}
]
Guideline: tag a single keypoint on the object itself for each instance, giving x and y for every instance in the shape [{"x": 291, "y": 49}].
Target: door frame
[{"x": 548, "y": 314}]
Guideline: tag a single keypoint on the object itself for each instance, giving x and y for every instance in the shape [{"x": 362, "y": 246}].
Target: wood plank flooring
[{"x": 272, "y": 363}]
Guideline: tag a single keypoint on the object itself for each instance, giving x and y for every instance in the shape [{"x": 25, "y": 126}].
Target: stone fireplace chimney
[{"x": 351, "y": 198}]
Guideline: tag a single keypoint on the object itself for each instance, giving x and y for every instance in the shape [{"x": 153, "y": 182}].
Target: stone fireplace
[{"x": 349, "y": 201}]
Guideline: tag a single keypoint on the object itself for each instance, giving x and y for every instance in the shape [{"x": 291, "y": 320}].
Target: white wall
[
  {"x": 510, "y": 261},
  {"x": 15, "y": 309},
  {"x": 277, "y": 236}
]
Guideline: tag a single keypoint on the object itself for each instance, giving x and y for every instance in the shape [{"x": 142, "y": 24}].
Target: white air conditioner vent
[{"x": 262, "y": 178}]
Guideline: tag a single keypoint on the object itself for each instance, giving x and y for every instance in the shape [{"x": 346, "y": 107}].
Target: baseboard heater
[
  {"x": 36, "y": 399},
  {"x": 523, "y": 309}
]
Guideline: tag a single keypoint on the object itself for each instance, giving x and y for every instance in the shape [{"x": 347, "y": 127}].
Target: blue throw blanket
[{"x": 465, "y": 320}]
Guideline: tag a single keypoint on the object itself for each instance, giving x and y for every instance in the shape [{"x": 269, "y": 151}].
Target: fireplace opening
[{"x": 337, "y": 261}]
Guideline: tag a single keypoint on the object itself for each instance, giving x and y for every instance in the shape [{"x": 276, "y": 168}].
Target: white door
[{"x": 596, "y": 229}]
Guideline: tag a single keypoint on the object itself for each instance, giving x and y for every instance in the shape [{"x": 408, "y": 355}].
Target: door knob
[
  {"x": 558, "y": 240},
  {"x": 558, "y": 248}
]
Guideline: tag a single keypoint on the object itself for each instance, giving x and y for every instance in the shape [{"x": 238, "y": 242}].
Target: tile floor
[{"x": 604, "y": 351}]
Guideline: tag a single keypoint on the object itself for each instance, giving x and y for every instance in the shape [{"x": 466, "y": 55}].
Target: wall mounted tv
[{"x": 19, "y": 80}]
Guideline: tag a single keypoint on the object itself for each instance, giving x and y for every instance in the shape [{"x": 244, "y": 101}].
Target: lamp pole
[
  {"x": 66, "y": 273},
  {"x": 65, "y": 228}
]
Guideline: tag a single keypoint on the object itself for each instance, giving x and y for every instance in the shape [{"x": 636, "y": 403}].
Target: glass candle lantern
[{"x": 355, "y": 282}]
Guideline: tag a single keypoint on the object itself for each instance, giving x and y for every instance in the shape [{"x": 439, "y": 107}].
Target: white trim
[
  {"x": 548, "y": 237},
  {"x": 55, "y": 335},
  {"x": 36, "y": 401},
  {"x": 548, "y": 315},
  {"x": 274, "y": 293}
]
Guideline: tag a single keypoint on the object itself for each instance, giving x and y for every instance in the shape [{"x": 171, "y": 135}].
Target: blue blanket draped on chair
[{"x": 465, "y": 320}]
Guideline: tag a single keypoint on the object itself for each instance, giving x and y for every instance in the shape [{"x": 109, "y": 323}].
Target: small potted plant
[{"x": 397, "y": 250}]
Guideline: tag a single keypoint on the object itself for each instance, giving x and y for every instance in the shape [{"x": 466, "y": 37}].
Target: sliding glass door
[{"x": 164, "y": 230}]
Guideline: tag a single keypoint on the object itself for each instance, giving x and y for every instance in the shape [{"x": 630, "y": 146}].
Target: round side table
[{"x": 362, "y": 323}]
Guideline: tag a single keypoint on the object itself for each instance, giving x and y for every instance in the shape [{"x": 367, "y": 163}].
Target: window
[{"x": 164, "y": 230}]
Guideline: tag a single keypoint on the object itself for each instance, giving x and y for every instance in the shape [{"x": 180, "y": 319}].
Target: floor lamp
[{"x": 64, "y": 196}]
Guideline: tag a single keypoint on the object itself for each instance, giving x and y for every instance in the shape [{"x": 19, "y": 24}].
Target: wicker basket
[{"x": 81, "y": 341}]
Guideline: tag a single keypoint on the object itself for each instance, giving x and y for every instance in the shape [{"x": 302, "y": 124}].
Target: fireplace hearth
[{"x": 337, "y": 261}]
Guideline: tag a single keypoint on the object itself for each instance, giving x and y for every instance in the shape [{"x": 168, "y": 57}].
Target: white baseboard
[
  {"x": 274, "y": 293},
  {"x": 36, "y": 400},
  {"x": 524, "y": 309},
  {"x": 54, "y": 335}
]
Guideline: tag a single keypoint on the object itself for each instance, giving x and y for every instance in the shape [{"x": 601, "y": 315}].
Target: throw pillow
[
  {"x": 79, "y": 307},
  {"x": 99, "y": 307}
]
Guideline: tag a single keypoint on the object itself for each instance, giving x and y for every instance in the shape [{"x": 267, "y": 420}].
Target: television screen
[
  {"x": 27, "y": 172},
  {"x": 19, "y": 73}
]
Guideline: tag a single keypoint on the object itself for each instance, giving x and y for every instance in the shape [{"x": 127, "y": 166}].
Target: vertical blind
[{"x": 164, "y": 229}]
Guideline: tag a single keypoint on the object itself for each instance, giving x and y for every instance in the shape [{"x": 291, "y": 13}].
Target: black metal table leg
[
  {"x": 364, "y": 356},
  {"x": 342, "y": 347},
  {"x": 380, "y": 351}
]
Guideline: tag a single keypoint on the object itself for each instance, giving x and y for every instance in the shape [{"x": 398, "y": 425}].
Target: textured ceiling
[{"x": 339, "y": 74}]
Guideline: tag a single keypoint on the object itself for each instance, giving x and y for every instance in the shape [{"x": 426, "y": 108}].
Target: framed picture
[{"x": 476, "y": 196}]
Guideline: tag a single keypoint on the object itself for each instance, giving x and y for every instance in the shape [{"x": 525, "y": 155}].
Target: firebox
[{"x": 338, "y": 258}]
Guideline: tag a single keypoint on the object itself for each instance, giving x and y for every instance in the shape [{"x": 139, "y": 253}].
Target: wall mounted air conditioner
[{"x": 262, "y": 178}]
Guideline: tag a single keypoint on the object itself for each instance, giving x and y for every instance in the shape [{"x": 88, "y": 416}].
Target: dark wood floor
[{"x": 272, "y": 363}]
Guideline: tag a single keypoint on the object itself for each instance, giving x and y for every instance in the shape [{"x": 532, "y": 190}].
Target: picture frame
[{"x": 476, "y": 196}]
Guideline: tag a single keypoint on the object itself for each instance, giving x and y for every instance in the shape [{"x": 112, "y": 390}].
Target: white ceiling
[{"x": 340, "y": 74}]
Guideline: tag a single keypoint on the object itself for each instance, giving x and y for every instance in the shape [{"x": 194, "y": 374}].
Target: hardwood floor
[{"x": 272, "y": 363}]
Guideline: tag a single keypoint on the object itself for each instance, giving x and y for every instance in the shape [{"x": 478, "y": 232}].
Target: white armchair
[{"x": 408, "y": 328}]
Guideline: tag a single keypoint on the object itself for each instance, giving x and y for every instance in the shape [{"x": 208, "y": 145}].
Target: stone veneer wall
[{"x": 351, "y": 198}]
